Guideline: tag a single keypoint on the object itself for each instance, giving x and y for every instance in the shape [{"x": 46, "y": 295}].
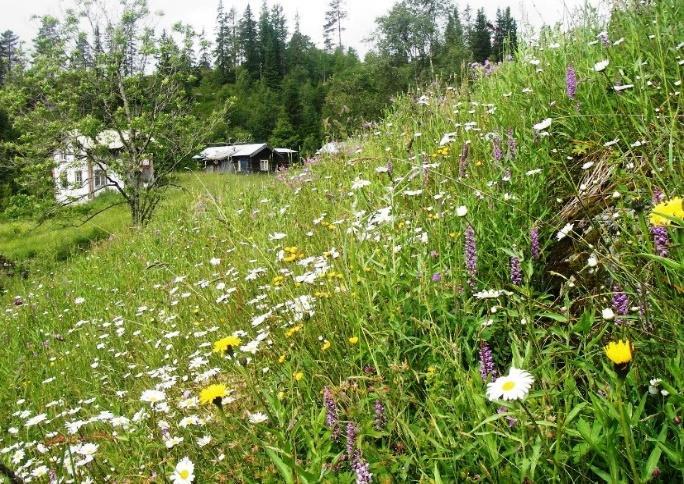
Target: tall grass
[{"x": 348, "y": 278}]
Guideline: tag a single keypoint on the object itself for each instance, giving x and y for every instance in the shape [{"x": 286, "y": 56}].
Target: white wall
[{"x": 69, "y": 165}]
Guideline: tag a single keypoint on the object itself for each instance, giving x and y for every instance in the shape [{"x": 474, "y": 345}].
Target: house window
[
  {"x": 264, "y": 165},
  {"x": 100, "y": 178},
  {"x": 63, "y": 180},
  {"x": 79, "y": 178}
]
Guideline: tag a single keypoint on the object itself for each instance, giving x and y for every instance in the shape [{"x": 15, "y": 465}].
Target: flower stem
[{"x": 627, "y": 431}]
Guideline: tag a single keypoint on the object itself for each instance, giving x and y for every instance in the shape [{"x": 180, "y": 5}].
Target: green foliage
[{"x": 347, "y": 278}]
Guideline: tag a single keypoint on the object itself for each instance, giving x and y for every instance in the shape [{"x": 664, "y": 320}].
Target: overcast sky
[{"x": 201, "y": 14}]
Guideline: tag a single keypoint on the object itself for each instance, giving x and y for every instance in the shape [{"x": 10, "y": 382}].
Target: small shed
[
  {"x": 245, "y": 158},
  {"x": 284, "y": 157}
]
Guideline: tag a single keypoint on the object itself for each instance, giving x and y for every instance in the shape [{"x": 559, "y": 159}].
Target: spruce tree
[
  {"x": 267, "y": 48},
  {"x": 9, "y": 54},
  {"x": 249, "y": 44},
  {"x": 48, "y": 44},
  {"x": 204, "y": 61},
  {"x": 333, "y": 24},
  {"x": 81, "y": 56},
  {"x": 480, "y": 38},
  {"x": 221, "y": 50}
]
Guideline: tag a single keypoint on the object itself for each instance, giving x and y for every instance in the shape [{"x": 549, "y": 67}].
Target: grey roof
[
  {"x": 224, "y": 152},
  {"x": 284, "y": 150}
]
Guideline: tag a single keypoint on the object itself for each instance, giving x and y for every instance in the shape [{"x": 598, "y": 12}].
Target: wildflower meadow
[{"x": 488, "y": 286}]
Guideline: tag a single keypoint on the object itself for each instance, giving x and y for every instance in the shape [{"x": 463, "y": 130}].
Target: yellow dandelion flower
[
  {"x": 298, "y": 375},
  {"x": 671, "y": 208},
  {"x": 353, "y": 340},
  {"x": 326, "y": 344},
  {"x": 619, "y": 352},
  {"x": 282, "y": 358},
  {"x": 213, "y": 394},
  {"x": 293, "y": 330},
  {"x": 228, "y": 343}
]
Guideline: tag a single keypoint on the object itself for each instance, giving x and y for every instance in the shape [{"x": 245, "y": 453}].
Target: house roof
[
  {"x": 109, "y": 138},
  {"x": 284, "y": 150},
  {"x": 214, "y": 153}
]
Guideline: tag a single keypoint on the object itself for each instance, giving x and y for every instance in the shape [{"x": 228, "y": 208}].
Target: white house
[{"x": 77, "y": 177}]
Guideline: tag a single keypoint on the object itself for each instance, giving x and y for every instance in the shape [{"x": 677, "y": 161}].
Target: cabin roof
[
  {"x": 285, "y": 151},
  {"x": 224, "y": 152}
]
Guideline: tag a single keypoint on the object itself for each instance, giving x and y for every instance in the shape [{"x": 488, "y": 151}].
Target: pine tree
[
  {"x": 48, "y": 44},
  {"x": 204, "y": 51},
  {"x": 333, "y": 24},
  {"x": 9, "y": 54},
  {"x": 455, "y": 49},
  {"x": 480, "y": 38},
  {"x": 224, "y": 64},
  {"x": 279, "y": 23},
  {"x": 81, "y": 56},
  {"x": 167, "y": 54},
  {"x": 249, "y": 44},
  {"x": 505, "y": 34},
  {"x": 267, "y": 48}
]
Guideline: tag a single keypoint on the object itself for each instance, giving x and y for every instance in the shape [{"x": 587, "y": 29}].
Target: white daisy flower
[
  {"x": 36, "y": 420},
  {"x": 360, "y": 183},
  {"x": 184, "y": 472},
  {"x": 257, "y": 417},
  {"x": 562, "y": 233},
  {"x": 542, "y": 125},
  {"x": 608, "y": 314},
  {"x": 514, "y": 386},
  {"x": 152, "y": 396},
  {"x": 600, "y": 66},
  {"x": 462, "y": 211}
]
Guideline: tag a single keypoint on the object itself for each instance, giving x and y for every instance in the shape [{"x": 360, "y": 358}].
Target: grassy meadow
[
  {"x": 29, "y": 242},
  {"x": 357, "y": 319}
]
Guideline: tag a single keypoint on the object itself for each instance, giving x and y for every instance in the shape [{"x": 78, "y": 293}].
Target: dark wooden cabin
[{"x": 246, "y": 158}]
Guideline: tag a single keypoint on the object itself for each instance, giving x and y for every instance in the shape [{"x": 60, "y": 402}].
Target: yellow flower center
[
  {"x": 508, "y": 386},
  {"x": 184, "y": 473}
]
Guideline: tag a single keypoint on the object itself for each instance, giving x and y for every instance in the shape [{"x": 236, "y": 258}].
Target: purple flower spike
[
  {"x": 471, "y": 255},
  {"x": 486, "y": 362},
  {"x": 620, "y": 303},
  {"x": 571, "y": 82},
  {"x": 380, "y": 418},
  {"x": 496, "y": 149},
  {"x": 661, "y": 240},
  {"x": 658, "y": 196},
  {"x": 352, "y": 431},
  {"x": 361, "y": 470},
  {"x": 463, "y": 162},
  {"x": 534, "y": 242},
  {"x": 516, "y": 271},
  {"x": 512, "y": 145},
  {"x": 331, "y": 420}
]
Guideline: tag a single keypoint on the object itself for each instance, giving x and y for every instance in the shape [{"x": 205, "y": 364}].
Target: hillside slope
[{"x": 345, "y": 319}]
